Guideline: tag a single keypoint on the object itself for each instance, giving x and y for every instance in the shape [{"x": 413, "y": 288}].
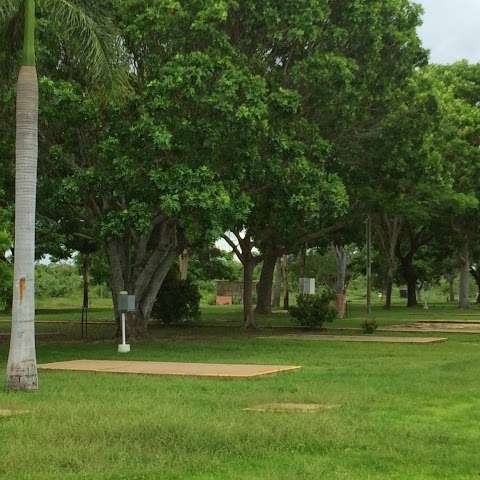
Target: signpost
[{"x": 126, "y": 303}]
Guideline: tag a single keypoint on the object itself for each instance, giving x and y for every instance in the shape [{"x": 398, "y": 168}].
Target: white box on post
[
  {"x": 306, "y": 286},
  {"x": 126, "y": 303}
]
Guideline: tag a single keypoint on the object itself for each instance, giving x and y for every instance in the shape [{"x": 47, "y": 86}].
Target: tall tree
[
  {"x": 76, "y": 23},
  {"x": 459, "y": 139},
  {"x": 361, "y": 54}
]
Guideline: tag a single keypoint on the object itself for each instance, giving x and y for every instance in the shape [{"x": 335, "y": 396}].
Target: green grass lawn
[
  {"x": 404, "y": 411},
  {"x": 61, "y": 310},
  {"x": 231, "y": 315}
]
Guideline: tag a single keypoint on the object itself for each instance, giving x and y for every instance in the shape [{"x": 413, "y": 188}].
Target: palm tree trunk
[{"x": 22, "y": 364}]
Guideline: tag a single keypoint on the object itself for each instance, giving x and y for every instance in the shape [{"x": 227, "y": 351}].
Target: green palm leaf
[
  {"x": 82, "y": 25},
  {"x": 92, "y": 34},
  {"x": 8, "y": 8}
]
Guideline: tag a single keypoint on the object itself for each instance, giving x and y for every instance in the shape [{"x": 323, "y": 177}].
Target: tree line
[{"x": 277, "y": 126}]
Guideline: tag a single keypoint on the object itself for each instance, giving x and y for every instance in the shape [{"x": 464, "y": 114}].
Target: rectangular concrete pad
[
  {"x": 434, "y": 327},
  {"x": 361, "y": 338},
  {"x": 453, "y": 322},
  {"x": 217, "y": 370}
]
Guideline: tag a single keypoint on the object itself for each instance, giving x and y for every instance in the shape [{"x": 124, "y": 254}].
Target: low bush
[
  {"x": 369, "y": 326},
  {"x": 6, "y": 285},
  {"x": 178, "y": 301},
  {"x": 314, "y": 310}
]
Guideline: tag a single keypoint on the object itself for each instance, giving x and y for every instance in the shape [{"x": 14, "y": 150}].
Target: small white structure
[{"x": 306, "y": 286}]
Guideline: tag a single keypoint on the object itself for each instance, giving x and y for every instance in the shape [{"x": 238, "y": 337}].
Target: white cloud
[{"x": 451, "y": 30}]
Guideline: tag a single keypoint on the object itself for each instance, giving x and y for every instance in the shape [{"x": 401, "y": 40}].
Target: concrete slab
[
  {"x": 435, "y": 327},
  {"x": 360, "y": 338},
  {"x": 451, "y": 322},
  {"x": 217, "y": 370}
]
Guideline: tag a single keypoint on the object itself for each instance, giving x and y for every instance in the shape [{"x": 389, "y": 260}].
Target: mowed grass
[
  {"x": 402, "y": 412},
  {"x": 231, "y": 315},
  {"x": 59, "y": 320}
]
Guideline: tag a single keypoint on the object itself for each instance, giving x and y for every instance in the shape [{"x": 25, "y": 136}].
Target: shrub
[
  {"x": 178, "y": 301},
  {"x": 369, "y": 326},
  {"x": 6, "y": 286},
  {"x": 313, "y": 310},
  {"x": 207, "y": 290},
  {"x": 6, "y": 271}
]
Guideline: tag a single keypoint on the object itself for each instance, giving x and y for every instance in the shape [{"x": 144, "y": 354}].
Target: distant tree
[
  {"x": 214, "y": 264},
  {"x": 6, "y": 270}
]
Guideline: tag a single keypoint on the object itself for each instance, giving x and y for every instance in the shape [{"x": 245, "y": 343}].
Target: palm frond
[
  {"x": 93, "y": 36},
  {"x": 8, "y": 8},
  {"x": 11, "y": 37}
]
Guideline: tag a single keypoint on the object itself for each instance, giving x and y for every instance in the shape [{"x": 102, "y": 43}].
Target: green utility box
[{"x": 126, "y": 302}]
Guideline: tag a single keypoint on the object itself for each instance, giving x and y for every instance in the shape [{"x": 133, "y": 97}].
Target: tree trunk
[
  {"x": 277, "y": 284},
  {"x": 303, "y": 261},
  {"x": 419, "y": 293},
  {"x": 22, "y": 364},
  {"x": 411, "y": 279},
  {"x": 286, "y": 286},
  {"x": 463, "y": 296},
  {"x": 341, "y": 258},
  {"x": 477, "y": 281},
  {"x": 145, "y": 280},
  {"x": 388, "y": 290},
  {"x": 146, "y": 301},
  {"x": 243, "y": 251},
  {"x": 265, "y": 285},
  {"x": 451, "y": 290},
  {"x": 476, "y": 275},
  {"x": 183, "y": 261},
  {"x": 388, "y": 231},
  {"x": 248, "y": 314}
]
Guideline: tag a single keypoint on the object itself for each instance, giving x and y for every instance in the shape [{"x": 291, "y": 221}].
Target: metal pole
[
  {"x": 123, "y": 329},
  {"x": 369, "y": 265},
  {"x": 123, "y": 304}
]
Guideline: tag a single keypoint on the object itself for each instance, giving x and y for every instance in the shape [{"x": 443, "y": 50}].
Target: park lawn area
[
  {"x": 398, "y": 314},
  {"x": 400, "y": 411},
  {"x": 51, "y": 315}
]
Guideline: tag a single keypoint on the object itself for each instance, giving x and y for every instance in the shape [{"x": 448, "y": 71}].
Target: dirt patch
[
  {"x": 291, "y": 407},
  {"x": 5, "y": 412}
]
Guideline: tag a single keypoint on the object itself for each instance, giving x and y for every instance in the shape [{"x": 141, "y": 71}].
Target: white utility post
[{"x": 126, "y": 303}]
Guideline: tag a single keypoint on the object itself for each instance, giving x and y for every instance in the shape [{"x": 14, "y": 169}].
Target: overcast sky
[{"x": 451, "y": 29}]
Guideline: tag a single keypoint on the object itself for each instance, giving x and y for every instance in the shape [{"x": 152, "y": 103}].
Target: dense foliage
[
  {"x": 178, "y": 301},
  {"x": 279, "y": 126},
  {"x": 55, "y": 281}
]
